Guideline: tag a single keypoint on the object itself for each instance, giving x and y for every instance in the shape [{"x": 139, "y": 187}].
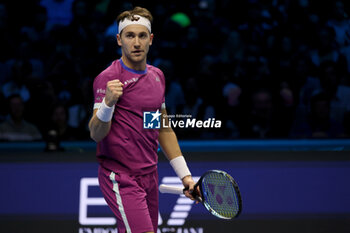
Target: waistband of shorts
[{"x": 117, "y": 167}]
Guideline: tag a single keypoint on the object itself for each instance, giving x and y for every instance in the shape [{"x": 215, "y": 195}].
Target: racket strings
[{"x": 220, "y": 195}]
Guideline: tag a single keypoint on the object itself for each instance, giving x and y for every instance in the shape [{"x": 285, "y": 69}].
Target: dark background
[{"x": 266, "y": 69}]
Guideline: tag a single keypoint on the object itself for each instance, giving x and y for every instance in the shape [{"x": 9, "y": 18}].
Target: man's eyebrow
[{"x": 135, "y": 33}]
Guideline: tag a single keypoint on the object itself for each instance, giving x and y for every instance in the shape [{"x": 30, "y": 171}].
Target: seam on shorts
[{"x": 119, "y": 201}]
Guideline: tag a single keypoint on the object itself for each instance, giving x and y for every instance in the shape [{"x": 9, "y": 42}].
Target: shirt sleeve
[
  {"x": 163, "y": 83},
  {"x": 99, "y": 88}
]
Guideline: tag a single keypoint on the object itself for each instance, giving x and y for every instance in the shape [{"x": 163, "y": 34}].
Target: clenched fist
[{"x": 114, "y": 90}]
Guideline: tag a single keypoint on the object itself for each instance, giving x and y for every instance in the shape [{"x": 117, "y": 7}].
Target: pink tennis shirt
[{"x": 128, "y": 147}]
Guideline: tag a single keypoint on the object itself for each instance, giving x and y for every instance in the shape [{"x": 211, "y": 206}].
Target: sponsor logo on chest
[
  {"x": 132, "y": 80},
  {"x": 135, "y": 79}
]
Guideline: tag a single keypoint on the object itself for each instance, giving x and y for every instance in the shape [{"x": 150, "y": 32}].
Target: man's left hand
[{"x": 188, "y": 182}]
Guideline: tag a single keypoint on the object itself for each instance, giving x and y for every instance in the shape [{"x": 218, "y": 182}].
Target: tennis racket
[{"x": 219, "y": 193}]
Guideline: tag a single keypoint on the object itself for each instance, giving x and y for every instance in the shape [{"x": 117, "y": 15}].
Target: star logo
[
  {"x": 155, "y": 115},
  {"x": 151, "y": 120}
]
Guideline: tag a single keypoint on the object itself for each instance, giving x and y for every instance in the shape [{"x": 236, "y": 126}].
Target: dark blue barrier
[
  {"x": 42, "y": 193},
  {"x": 219, "y": 145},
  {"x": 275, "y": 188}
]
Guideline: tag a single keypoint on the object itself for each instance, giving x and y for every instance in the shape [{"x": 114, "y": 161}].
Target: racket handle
[{"x": 170, "y": 189}]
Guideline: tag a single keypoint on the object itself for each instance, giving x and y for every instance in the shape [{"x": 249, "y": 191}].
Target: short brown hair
[{"x": 136, "y": 11}]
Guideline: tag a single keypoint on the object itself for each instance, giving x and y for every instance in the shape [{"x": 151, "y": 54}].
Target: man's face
[{"x": 135, "y": 41}]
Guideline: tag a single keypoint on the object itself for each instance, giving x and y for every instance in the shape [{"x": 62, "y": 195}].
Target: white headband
[{"x": 136, "y": 19}]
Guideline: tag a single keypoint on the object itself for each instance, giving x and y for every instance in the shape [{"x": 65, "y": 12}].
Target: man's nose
[{"x": 137, "y": 41}]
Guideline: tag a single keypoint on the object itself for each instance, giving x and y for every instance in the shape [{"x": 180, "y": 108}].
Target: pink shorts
[{"x": 133, "y": 199}]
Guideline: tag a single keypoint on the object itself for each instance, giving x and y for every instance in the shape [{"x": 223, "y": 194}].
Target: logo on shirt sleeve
[
  {"x": 151, "y": 120},
  {"x": 101, "y": 91}
]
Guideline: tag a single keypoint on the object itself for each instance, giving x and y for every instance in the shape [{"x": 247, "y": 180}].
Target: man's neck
[{"x": 139, "y": 66}]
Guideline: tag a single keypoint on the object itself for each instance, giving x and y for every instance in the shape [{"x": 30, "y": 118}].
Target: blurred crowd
[{"x": 265, "y": 68}]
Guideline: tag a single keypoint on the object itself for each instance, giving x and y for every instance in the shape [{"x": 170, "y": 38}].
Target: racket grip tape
[{"x": 170, "y": 189}]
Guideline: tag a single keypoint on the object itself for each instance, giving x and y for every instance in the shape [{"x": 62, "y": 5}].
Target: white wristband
[
  {"x": 105, "y": 113},
  {"x": 180, "y": 167}
]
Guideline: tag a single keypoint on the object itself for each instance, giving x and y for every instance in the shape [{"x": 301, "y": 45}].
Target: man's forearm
[
  {"x": 98, "y": 128},
  {"x": 168, "y": 142}
]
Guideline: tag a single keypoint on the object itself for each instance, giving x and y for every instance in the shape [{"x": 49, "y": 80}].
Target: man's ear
[
  {"x": 151, "y": 39},
  {"x": 119, "y": 40}
]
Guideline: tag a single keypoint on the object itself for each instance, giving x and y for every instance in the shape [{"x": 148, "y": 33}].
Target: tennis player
[{"x": 127, "y": 152}]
